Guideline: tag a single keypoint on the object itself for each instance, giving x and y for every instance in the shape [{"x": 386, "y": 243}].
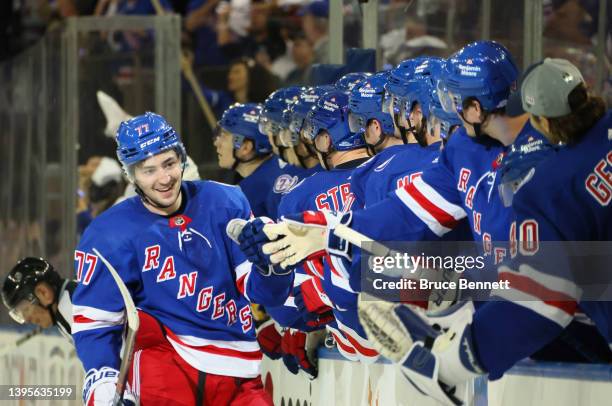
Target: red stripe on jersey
[
  {"x": 440, "y": 215},
  {"x": 78, "y": 318},
  {"x": 368, "y": 352},
  {"x": 247, "y": 355},
  {"x": 551, "y": 297},
  {"x": 240, "y": 283},
  {"x": 314, "y": 217},
  {"x": 344, "y": 347}
]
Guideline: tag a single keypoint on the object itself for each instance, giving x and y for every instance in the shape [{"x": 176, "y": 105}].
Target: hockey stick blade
[
  {"x": 10, "y": 347},
  {"x": 133, "y": 323}
]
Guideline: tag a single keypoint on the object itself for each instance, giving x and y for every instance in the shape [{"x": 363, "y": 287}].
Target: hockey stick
[
  {"x": 362, "y": 241},
  {"x": 10, "y": 347},
  {"x": 132, "y": 323},
  {"x": 191, "y": 78}
]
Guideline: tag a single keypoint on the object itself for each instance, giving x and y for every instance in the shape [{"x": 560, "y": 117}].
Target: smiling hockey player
[{"x": 196, "y": 343}]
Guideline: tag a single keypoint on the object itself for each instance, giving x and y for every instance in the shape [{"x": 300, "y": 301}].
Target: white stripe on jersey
[
  {"x": 551, "y": 282},
  {"x": 429, "y": 220},
  {"x": 90, "y": 318},
  {"x": 218, "y": 364},
  {"x": 548, "y": 311},
  {"x": 436, "y": 198}
]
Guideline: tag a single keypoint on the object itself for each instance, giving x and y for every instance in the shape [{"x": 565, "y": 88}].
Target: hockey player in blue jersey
[
  {"x": 320, "y": 285},
  {"x": 461, "y": 184},
  {"x": 192, "y": 285},
  {"x": 243, "y": 148},
  {"x": 564, "y": 195},
  {"x": 395, "y": 163}
]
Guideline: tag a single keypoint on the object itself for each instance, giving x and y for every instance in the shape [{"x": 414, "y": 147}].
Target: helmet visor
[
  {"x": 287, "y": 138},
  {"x": 445, "y": 98},
  {"x": 24, "y": 309},
  {"x": 356, "y": 123}
]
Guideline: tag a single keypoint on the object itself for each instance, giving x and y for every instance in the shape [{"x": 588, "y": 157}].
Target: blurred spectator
[
  {"x": 263, "y": 40},
  {"x": 201, "y": 22},
  {"x": 315, "y": 26},
  {"x": 70, "y": 8},
  {"x": 302, "y": 53},
  {"x": 410, "y": 41},
  {"x": 103, "y": 187},
  {"x": 247, "y": 81}
]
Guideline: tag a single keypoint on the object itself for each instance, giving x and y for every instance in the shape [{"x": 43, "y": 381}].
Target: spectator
[
  {"x": 302, "y": 53},
  {"x": 263, "y": 41},
  {"x": 247, "y": 81},
  {"x": 315, "y": 26},
  {"x": 410, "y": 41},
  {"x": 103, "y": 185}
]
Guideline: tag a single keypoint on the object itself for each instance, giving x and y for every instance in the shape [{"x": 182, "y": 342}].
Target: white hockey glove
[
  {"x": 307, "y": 235},
  {"x": 437, "y": 364},
  {"x": 99, "y": 388}
]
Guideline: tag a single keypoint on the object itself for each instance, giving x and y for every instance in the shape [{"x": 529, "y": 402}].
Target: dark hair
[
  {"x": 260, "y": 82},
  {"x": 587, "y": 109}
]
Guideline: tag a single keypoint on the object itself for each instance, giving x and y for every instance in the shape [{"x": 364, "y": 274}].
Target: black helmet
[{"x": 21, "y": 281}]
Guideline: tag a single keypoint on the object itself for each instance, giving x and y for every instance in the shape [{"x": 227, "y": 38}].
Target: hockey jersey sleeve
[
  {"x": 98, "y": 307},
  {"x": 265, "y": 290},
  {"x": 426, "y": 208},
  {"x": 542, "y": 298}
]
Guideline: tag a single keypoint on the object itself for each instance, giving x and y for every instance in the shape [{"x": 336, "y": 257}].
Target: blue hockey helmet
[
  {"x": 271, "y": 118},
  {"x": 518, "y": 166},
  {"x": 295, "y": 114},
  {"x": 242, "y": 121},
  {"x": 482, "y": 70},
  {"x": 366, "y": 102},
  {"x": 448, "y": 121},
  {"x": 400, "y": 75},
  {"x": 419, "y": 88},
  {"x": 350, "y": 80},
  {"x": 144, "y": 136},
  {"x": 330, "y": 113}
]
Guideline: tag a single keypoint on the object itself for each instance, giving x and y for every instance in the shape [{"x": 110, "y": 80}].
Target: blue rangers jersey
[
  {"x": 390, "y": 169},
  {"x": 329, "y": 190},
  {"x": 567, "y": 199},
  {"x": 181, "y": 269},
  {"x": 265, "y": 187},
  {"x": 462, "y": 184}
]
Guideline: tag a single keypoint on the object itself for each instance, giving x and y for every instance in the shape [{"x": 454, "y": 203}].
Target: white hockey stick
[
  {"x": 362, "y": 241},
  {"x": 132, "y": 323},
  {"x": 10, "y": 347}
]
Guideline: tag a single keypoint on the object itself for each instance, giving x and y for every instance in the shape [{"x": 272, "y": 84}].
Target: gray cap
[{"x": 546, "y": 87}]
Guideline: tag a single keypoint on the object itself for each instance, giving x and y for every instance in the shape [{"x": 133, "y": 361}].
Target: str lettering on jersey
[
  {"x": 599, "y": 182},
  {"x": 335, "y": 199}
]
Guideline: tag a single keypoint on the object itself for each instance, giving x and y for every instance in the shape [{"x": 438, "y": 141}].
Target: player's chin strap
[
  {"x": 403, "y": 130},
  {"x": 238, "y": 161},
  {"x": 325, "y": 156},
  {"x": 419, "y": 134},
  {"x": 479, "y": 136}
]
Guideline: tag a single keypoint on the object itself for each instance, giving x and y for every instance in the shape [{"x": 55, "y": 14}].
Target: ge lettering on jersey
[{"x": 599, "y": 182}]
